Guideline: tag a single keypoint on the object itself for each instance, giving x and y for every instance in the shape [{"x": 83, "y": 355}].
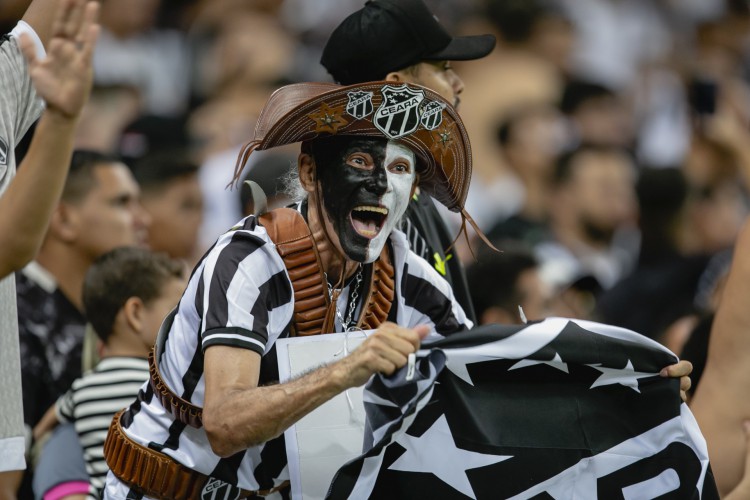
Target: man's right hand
[
  {"x": 64, "y": 77},
  {"x": 385, "y": 351}
]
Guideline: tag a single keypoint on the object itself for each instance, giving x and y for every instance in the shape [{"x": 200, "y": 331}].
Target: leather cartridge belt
[
  {"x": 158, "y": 475},
  {"x": 182, "y": 410}
]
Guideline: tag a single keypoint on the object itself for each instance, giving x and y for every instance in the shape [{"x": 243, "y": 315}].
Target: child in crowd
[{"x": 127, "y": 293}]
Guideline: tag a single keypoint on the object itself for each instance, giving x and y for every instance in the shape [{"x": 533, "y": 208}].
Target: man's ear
[
  {"x": 414, "y": 186},
  {"x": 132, "y": 312},
  {"x": 64, "y": 223},
  {"x": 394, "y": 76},
  {"x": 306, "y": 168},
  {"x": 405, "y": 75}
]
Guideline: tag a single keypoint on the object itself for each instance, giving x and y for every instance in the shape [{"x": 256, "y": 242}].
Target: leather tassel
[{"x": 242, "y": 158}]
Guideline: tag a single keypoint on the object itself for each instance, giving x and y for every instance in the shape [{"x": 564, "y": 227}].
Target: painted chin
[{"x": 368, "y": 220}]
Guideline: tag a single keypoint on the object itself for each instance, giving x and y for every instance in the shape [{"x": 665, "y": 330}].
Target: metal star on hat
[
  {"x": 328, "y": 119},
  {"x": 442, "y": 138}
]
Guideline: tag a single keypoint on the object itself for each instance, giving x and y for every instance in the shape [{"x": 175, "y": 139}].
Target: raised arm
[
  {"x": 63, "y": 79},
  {"x": 238, "y": 414},
  {"x": 40, "y": 15},
  {"x": 721, "y": 402}
]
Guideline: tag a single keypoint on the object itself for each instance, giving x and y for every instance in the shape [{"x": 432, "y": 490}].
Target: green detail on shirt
[{"x": 440, "y": 263}]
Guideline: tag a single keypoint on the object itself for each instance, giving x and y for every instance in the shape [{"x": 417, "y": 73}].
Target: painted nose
[{"x": 378, "y": 182}]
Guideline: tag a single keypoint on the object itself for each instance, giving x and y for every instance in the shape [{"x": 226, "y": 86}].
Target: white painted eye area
[
  {"x": 399, "y": 159},
  {"x": 400, "y": 168}
]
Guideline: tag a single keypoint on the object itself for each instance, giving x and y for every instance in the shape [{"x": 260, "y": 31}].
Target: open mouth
[{"x": 368, "y": 220}]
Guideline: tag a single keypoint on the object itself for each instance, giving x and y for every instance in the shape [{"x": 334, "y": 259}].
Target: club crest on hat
[
  {"x": 432, "y": 115},
  {"x": 3, "y": 152},
  {"x": 360, "y": 104},
  {"x": 398, "y": 115}
]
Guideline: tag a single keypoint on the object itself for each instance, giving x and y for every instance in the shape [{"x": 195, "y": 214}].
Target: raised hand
[{"x": 64, "y": 78}]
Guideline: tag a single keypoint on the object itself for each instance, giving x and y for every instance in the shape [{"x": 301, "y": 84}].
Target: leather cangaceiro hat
[
  {"x": 390, "y": 35},
  {"x": 414, "y": 115}
]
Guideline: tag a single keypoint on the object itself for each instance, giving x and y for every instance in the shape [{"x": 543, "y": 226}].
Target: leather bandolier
[{"x": 314, "y": 314}]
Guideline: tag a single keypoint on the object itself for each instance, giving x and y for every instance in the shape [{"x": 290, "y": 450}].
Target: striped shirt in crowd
[
  {"x": 91, "y": 403},
  {"x": 240, "y": 295}
]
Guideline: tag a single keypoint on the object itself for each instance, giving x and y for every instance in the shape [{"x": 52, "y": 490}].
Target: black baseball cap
[{"x": 390, "y": 35}]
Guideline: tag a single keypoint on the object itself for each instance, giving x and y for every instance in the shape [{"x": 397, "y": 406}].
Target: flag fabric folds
[{"x": 560, "y": 409}]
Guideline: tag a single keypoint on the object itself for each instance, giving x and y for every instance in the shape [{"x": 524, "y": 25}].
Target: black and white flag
[{"x": 561, "y": 409}]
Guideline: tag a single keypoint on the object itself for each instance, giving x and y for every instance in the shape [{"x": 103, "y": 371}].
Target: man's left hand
[{"x": 682, "y": 371}]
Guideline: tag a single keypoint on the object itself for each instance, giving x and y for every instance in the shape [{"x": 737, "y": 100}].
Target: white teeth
[{"x": 380, "y": 210}]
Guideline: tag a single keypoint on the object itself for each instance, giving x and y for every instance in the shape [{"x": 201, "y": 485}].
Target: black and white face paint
[{"x": 366, "y": 184}]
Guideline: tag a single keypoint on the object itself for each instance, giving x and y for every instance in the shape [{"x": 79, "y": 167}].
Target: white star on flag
[
  {"x": 518, "y": 346},
  {"x": 555, "y": 362},
  {"x": 436, "y": 452},
  {"x": 627, "y": 376}
]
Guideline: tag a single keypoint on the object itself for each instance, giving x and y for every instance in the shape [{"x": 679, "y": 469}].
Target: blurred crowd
[{"x": 610, "y": 140}]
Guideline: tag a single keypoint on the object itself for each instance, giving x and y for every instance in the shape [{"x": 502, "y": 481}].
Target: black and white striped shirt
[
  {"x": 91, "y": 403},
  {"x": 240, "y": 295}
]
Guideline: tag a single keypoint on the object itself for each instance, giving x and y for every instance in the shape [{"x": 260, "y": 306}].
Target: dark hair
[
  {"x": 80, "y": 178},
  {"x": 565, "y": 163},
  {"x": 506, "y": 125},
  {"x": 517, "y": 19},
  {"x": 120, "y": 274},
  {"x": 493, "y": 278},
  {"x": 157, "y": 170},
  {"x": 577, "y": 92}
]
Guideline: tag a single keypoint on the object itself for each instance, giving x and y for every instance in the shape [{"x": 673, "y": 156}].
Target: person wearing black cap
[
  {"x": 402, "y": 41},
  {"x": 209, "y": 424}
]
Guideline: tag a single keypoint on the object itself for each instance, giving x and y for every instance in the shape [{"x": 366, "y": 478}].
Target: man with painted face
[
  {"x": 402, "y": 41},
  {"x": 212, "y": 417},
  {"x": 366, "y": 184}
]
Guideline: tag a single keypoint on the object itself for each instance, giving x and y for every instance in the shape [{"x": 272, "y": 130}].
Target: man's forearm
[
  {"x": 27, "y": 204},
  {"x": 40, "y": 15},
  {"x": 729, "y": 340},
  {"x": 247, "y": 418}
]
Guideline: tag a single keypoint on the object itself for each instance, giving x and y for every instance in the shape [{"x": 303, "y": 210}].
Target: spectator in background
[
  {"x": 506, "y": 287},
  {"x": 593, "y": 199},
  {"x": 659, "y": 293},
  {"x": 597, "y": 115},
  {"x": 127, "y": 294},
  {"x": 531, "y": 137},
  {"x": 527, "y": 68},
  {"x": 62, "y": 77},
  {"x": 133, "y": 52},
  {"x": 716, "y": 205},
  {"x": 240, "y": 60},
  {"x": 109, "y": 109},
  {"x": 509, "y": 287},
  {"x": 171, "y": 195},
  {"x": 99, "y": 210}
]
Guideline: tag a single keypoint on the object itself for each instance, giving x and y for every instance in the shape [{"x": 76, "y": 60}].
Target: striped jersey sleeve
[
  {"x": 64, "y": 407},
  {"x": 242, "y": 282},
  {"x": 427, "y": 298}
]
